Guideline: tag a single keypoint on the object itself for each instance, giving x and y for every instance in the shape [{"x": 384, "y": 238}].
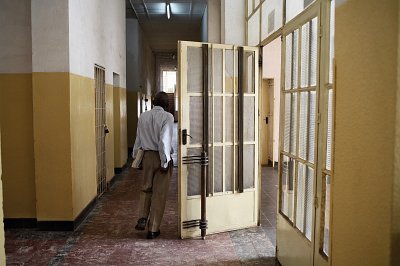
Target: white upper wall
[
  {"x": 15, "y": 37},
  {"x": 49, "y": 36},
  {"x": 97, "y": 36},
  {"x": 233, "y": 22},
  {"x": 214, "y": 21}
]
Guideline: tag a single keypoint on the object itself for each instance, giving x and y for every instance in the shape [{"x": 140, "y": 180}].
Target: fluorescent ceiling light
[{"x": 168, "y": 11}]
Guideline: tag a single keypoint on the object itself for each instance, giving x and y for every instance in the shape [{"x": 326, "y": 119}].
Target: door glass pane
[
  {"x": 229, "y": 71},
  {"x": 290, "y": 123},
  {"x": 311, "y": 126},
  {"x": 305, "y": 55},
  {"x": 300, "y": 208},
  {"x": 194, "y": 174},
  {"x": 291, "y": 60},
  {"x": 229, "y": 168},
  {"x": 294, "y": 7},
  {"x": 329, "y": 132},
  {"x": 218, "y": 118},
  {"x": 195, "y": 69},
  {"x": 303, "y": 125},
  {"x": 287, "y": 187},
  {"x": 196, "y": 119},
  {"x": 218, "y": 75},
  {"x": 314, "y": 52},
  {"x": 331, "y": 40},
  {"x": 248, "y": 118},
  {"x": 309, "y": 197},
  {"x": 249, "y": 72},
  {"x": 218, "y": 166},
  {"x": 248, "y": 166},
  {"x": 288, "y": 61},
  {"x": 326, "y": 213},
  {"x": 253, "y": 29},
  {"x": 293, "y": 124},
  {"x": 229, "y": 119},
  {"x": 271, "y": 19}
]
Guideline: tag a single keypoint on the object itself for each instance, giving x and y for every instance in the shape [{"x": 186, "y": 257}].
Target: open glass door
[
  {"x": 299, "y": 125},
  {"x": 218, "y": 138}
]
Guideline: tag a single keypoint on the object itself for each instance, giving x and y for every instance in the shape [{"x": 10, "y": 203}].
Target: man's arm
[
  {"x": 138, "y": 143},
  {"x": 164, "y": 146}
]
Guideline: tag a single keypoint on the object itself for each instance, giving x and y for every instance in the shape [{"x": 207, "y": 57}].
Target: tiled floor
[{"x": 107, "y": 237}]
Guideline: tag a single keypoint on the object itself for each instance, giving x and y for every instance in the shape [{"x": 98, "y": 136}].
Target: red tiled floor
[{"x": 107, "y": 237}]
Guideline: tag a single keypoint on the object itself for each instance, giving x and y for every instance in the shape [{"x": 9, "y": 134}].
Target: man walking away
[{"x": 154, "y": 137}]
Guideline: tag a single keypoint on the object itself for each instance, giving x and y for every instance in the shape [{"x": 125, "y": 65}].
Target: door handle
[
  {"x": 106, "y": 129},
  {"x": 184, "y": 136}
]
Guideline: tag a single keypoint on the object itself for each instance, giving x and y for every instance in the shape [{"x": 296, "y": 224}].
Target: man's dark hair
[{"x": 161, "y": 99}]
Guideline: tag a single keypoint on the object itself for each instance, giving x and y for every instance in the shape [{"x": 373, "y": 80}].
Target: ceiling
[{"x": 161, "y": 32}]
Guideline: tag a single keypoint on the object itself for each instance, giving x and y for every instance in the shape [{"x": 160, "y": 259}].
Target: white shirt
[{"x": 154, "y": 132}]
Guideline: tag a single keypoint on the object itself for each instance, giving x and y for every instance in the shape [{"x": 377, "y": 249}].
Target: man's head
[{"x": 161, "y": 99}]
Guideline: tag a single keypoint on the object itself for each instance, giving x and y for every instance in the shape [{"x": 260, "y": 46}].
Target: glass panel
[
  {"x": 248, "y": 166},
  {"x": 236, "y": 119},
  {"x": 271, "y": 19},
  {"x": 309, "y": 197},
  {"x": 305, "y": 55},
  {"x": 196, "y": 120},
  {"x": 287, "y": 186},
  {"x": 256, "y": 3},
  {"x": 288, "y": 61},
  {"x": 326, "y": 215},
  {"x": 331, "y": 41},
  {"x": 293, "y": 124},
  {"x": 295, "y": 59},
  {"x": 229, "y": 168},
  {"x": 311, "y": 126},
  {"x": 303, "y": 125},
  {"x": 253, "y": 29},
  {"x": 210, "y": 119},
  {"x": 294, "y": 7},
  {"x": 301, "y": 176},
  {"x": 218, "y": 75},
  {"x": 229, "y": 71},
  {"x": 249, "y": 72},
  {"x": 236, "y": 168},
  {"x": 195, "y": 69},
  {"x": 218, "y": 118},
  {"x": 286, "y": 134},
  {"x": 229, "y": 119},
  {"x": 218, "y": 164},
  {"x": 248, "y": 118},
  {"x": 329, "y": 133},
  {"x": 194, "y": 174},
  {"x": 313, "y": 52}
]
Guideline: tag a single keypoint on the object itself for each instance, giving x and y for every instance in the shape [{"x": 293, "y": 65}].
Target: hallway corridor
[{"x": 107, "y": 236}]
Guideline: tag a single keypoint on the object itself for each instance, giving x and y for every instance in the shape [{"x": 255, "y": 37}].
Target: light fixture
[{"x": 168, "y": 11}]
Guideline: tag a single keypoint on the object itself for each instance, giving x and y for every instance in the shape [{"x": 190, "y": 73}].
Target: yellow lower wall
[
  {"x": 120, "y": 127},
  {"x": 83, "y": 142},
  {"x": 132, "y": 116},
  {"x": 365, "y": 50},
  {"x": 52, "y": 149},
  {"x": 2, "y": 252},
  {"x": 16, "y": 120},
  {"x": 110, "y": 136}
]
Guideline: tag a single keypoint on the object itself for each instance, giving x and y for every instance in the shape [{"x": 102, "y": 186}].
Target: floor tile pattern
[{"x": 107, "y": 236}]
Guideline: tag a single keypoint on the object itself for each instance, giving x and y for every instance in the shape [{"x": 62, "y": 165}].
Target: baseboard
[
  {"x": 67, "y": 225},
  {"x": 10, "y": 223}
]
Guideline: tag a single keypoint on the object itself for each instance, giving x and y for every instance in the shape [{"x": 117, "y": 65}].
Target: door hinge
[
  {"x": 321, "y": 31},
  {"x": 316, "y": 202},
  {"x": 319, "y": 118}
]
